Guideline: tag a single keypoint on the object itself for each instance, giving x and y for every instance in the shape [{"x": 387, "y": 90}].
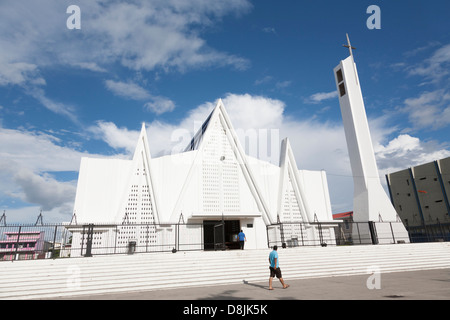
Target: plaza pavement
[{"x": 414, "y": 285}]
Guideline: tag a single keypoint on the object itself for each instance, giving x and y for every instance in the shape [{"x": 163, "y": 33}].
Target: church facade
[{"x": 212, "y": 183}]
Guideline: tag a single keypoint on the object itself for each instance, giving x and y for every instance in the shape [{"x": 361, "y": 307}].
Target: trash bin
[{"x": 131, "y": 247}]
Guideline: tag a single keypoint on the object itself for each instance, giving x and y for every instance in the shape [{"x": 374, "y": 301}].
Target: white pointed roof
[
  {"x": 198, "y": 142},
  {"x": 289, "y": 169},
  {"x": 141, "y": 158}
]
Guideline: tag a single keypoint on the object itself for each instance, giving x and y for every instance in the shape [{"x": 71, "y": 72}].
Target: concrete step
[
  {"x": 150, "y": 271},
  {"x": 103, "y": 264}
]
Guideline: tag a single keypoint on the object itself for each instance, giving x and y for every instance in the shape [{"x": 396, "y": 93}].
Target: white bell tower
[{"x": 370, "y": 201}]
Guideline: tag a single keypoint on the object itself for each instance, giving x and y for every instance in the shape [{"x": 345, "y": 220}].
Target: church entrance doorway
[{"x": 221, "y": 234}]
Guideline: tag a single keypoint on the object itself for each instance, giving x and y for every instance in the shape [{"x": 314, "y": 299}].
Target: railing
[
  {"x": 429, "y": 233},
  {"x": 294, "y": 234},
  {"x": 92, "y": 239},
  {"x": 338, "y": 233},
  {"x": 28, "y": 242},
  {"x": 60, "y": 240},
  {"x": 23, "y": 242},
  {"x": 355, "y": 233}
]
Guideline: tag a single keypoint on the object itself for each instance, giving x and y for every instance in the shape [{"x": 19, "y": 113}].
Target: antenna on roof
[
  {"x": 3, "y": 218},
  {"x": 40, "y": 218},
  {"x": 74, "y": 218}
]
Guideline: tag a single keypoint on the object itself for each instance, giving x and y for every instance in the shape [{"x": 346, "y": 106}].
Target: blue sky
[{"x": 67, "y": 93}]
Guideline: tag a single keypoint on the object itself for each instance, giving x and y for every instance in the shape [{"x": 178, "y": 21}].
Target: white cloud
[
  {"x": 141, "y": 35},
  {"x": 63, "y": 109},
  {"x": 26, "y": 159},
  {"x": 406, "y": 151},
  {"x": 416, "y": 51},
  {"x": 265, "y": 79},
  {"x": 44, "y": 189},
  {"x": 17, "y": 73},
  {"x": 117, "y": 138},
  {"x": 36, "y": 151},
  {"x": 130, "y": 90},
  {"x": 400, "y": 145},
  {"x": 166, "y": 138},
  {"x": 127, "y": 90},
  {"x": 434, "y": 68},
  {"x": 160, "y": 105},
  {"x": 269, "y": 30},
  {"x": 320, "y": 96},
  {"x": 252, "y": 112},
  {"x": 92, "y": 66},
  {"x": 430, "y": 110},
  {"x": 283, "y": 84}
]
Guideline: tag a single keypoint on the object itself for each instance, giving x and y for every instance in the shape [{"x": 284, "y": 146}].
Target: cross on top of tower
[{"x": 349, "y": 46}]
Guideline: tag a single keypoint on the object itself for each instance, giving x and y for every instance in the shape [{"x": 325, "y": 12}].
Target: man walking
[
  {"x": 275, "y": 268},
  {"x": 242, "y": 239}
]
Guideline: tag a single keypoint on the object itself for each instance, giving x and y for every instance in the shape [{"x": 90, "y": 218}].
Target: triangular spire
[
  {"x": 292, "y": 202},
  {"x": 140, "y": 183},
  {"x": 220, "y": 151},
  {"x": 142, "y": 143}
]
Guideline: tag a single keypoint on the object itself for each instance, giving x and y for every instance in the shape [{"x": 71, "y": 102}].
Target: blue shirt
[
  {"x": 272, "y": 257},
  {"x": 241, "y": 236}
]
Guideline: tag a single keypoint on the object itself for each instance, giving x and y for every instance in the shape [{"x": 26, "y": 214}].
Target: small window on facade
[
  {"x": 342, "y": 89},
  {"x": 339, "y": 76}
]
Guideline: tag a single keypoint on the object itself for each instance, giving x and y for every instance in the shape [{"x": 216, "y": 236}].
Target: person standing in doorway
[
  {"x": 242, "y": 239},
  {"x": 275, "y": 269}
]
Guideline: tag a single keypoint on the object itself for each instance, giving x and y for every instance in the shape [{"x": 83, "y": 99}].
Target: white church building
[
  {"x": 211, "y": 186},
  {"x": 205, "y": 195}
]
